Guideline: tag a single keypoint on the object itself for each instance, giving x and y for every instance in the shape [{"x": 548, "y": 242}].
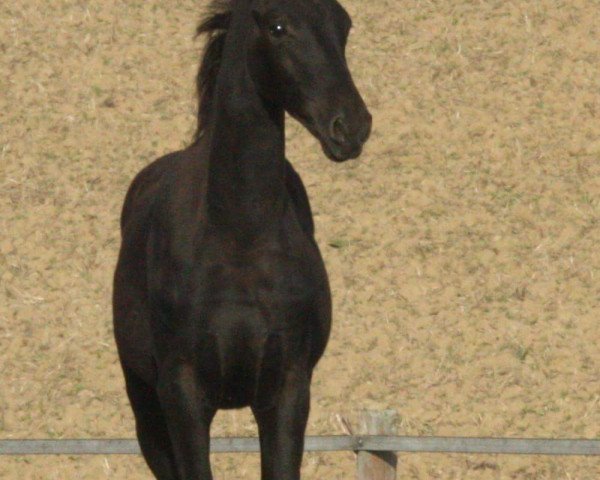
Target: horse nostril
[{"x": 338, "y": 129}]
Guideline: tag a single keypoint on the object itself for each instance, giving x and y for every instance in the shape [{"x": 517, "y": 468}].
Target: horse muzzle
[{"x": 346, "y": 134}]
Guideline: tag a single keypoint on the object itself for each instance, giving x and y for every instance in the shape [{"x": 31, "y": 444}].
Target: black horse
[{"x": 221, "y": 299}]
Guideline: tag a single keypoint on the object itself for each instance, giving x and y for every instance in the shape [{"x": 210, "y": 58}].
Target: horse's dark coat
[{"x": 221, "y": 299}]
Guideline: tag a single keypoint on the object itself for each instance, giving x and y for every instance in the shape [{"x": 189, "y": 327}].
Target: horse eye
[{"x": 277, "y": 30}]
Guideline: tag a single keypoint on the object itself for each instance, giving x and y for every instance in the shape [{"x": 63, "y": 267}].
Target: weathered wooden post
[{"x": 377, "y": 465}]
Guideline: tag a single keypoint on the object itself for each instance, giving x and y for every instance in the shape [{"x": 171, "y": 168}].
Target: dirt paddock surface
[{"x": 463, "y": 246}]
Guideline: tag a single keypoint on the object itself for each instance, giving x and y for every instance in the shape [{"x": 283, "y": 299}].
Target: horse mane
[{"x": 214, "y": 25}]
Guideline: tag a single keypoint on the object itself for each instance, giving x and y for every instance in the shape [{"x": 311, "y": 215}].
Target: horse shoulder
[{"x": 145, "y": 187}]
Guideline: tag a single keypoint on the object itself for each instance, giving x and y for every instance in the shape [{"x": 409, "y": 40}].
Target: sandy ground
[{"x": 462, "y": 247}]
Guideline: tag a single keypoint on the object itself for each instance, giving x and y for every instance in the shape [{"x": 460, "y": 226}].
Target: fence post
[{"x": 377, "y": 465}]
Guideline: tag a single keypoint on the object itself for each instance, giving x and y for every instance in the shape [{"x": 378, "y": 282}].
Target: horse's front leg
[
  {"x": 188, "y": 419},
  {"x": 281, "y": 428}
]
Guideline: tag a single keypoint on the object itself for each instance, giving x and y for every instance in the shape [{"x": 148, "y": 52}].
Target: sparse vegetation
[{"x": 462, "y": 247}]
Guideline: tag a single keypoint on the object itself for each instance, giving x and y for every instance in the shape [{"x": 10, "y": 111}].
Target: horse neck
[{"x": 247, "y": 142}]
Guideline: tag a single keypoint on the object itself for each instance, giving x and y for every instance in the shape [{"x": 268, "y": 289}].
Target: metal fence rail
[{"x": 357, "y": 443}]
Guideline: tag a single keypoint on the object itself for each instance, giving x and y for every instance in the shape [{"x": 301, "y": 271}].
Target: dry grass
[{"x": 462, "y": 247}]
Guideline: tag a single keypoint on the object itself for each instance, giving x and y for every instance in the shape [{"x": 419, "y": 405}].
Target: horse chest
[
  {"x": 252, "y": 306},
  {"x": 272, "y": 280}
]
